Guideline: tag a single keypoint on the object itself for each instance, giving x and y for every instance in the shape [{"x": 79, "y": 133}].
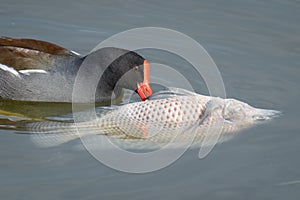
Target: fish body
[
  {"x": 147, "y": 119},
  {"x": 178, "y": 118}
]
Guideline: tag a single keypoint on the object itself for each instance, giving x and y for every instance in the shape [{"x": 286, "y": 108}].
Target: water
[{"x": 256, "y": 45}]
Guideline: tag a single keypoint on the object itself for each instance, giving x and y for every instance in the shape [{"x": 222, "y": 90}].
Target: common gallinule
[{"x": 34, "y": 70}]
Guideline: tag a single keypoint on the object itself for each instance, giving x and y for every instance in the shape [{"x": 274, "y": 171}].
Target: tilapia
[{"x": 184, "y": 116}]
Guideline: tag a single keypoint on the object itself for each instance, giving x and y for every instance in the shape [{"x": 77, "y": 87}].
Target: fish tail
[{"x": 52, "y": 133}]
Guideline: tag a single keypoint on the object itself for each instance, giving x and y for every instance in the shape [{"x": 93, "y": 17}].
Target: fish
[{"x": 183, "y": 117}]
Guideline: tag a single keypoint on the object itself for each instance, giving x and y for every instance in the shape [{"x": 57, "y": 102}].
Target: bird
[{"x": 39, "y": 71}]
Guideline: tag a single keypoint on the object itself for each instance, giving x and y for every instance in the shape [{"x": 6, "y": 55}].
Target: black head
[{"x": 125, "y": 69}]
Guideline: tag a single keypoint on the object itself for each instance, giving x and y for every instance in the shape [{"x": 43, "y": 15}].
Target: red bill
[{"x": 144, "y": 89}]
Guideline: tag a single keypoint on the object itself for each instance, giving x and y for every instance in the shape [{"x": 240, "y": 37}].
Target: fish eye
[{"x": 233, "y": 111}]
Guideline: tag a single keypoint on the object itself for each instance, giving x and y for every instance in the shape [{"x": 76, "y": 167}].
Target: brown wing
[
  {"x": 38, "y": 45},
  {"x": 30, "y": 54}
]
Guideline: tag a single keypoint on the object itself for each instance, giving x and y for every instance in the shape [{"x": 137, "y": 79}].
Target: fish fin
[
  {"x": 171, "y": 92},
  {"x": 51, "y": 133},
  {"x": 91, "y": 114},
  {"x": 214, "y": 121},
  {"x": 210, "y": 107},
  {"x": 181, "y": 91},
  {"x": 46, "y": 140},
  {"x": 48, "y": 126},
  {"x": 102, "y": 111}
]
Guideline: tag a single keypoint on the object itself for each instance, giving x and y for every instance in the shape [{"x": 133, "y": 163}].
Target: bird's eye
[{"x": 136, "y": 68}]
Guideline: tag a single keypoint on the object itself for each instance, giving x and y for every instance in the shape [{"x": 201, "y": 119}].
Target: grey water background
[{"x": 256, "y": 45}]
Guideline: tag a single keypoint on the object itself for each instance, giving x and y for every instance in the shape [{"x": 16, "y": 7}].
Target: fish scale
[
  {"x": 146, "y": 119},
  {"x": 155, "y": 122}
]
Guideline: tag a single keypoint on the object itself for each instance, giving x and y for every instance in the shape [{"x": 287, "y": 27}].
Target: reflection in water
[
  {"x": 34, "y": 110},
  {"x": 11, "y": 111}
]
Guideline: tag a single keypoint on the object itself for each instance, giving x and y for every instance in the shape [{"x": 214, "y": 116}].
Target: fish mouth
[
  {"x": 262, "y": 115},
  {"x": 143, "y": 89}
]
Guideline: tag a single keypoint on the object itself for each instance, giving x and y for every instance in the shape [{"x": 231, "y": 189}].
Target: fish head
[{"x": 243, "y": 114}]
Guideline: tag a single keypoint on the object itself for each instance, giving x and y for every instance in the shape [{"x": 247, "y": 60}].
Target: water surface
[{"x": 256, "y": 45}]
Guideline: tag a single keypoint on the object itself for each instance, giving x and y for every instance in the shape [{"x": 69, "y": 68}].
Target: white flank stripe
[
  {"x": 10, "y": 70},
  {"x": 30, "y": 71},
  {"x": 75, "y": 53}
]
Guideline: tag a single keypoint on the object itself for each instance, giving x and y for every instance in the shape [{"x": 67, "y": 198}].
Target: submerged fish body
[{"x": 183, "y": 118}]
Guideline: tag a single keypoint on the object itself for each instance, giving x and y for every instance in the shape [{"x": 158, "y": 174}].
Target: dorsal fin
[{"x": 22, "y": 54}]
